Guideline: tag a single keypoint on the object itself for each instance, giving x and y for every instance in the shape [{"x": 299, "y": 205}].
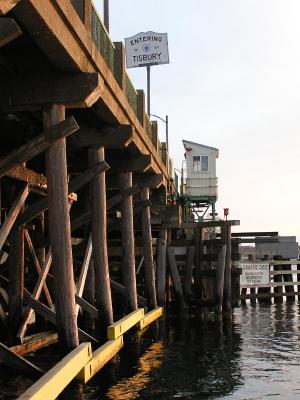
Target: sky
[{"x": 233, "y": 83}]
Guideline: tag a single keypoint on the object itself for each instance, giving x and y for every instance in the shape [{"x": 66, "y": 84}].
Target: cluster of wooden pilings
[{"x": 200, "y": 269}]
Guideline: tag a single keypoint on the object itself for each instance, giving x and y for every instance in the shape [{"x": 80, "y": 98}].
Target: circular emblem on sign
[{"x": 146, "y": 48}]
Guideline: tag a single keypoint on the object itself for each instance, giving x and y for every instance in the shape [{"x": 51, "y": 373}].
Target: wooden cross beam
[
  {"x": 50, "y": 315},
  {"x": 7, "y": 5},
  {"x": 24, "y": 174},
  {"x": 111, "y": 137},
  {"x": 38, "y": 144},
  {"x": 12, "y": 215},
  {"x": 33, "y": 91},
  {"x": 42, "y": 205},
  {"x": 152, "y": 181},
  {"x": 9, "y": 30}
]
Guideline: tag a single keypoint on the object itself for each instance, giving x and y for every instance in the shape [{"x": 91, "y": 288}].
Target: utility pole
[{"x": 106, "y": 14}]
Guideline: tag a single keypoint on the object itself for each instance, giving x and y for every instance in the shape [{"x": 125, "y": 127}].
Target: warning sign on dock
[
  {"x": 254, "y": 274},
  {"x": 147, "y": 48}
]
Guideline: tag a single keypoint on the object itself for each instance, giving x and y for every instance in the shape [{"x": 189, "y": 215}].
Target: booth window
[{"x": 200, "y": 163}]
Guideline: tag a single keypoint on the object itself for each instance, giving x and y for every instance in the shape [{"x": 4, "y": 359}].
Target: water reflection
[{"x": 193, "y": 359}]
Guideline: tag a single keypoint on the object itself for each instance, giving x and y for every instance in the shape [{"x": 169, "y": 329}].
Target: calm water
[{"x": 257, "y": 356}]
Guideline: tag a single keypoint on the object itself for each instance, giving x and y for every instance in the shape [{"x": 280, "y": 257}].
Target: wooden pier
[{"x": 91, "y": 244}]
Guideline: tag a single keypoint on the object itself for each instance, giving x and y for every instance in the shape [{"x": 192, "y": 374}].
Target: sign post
[{"x": 144, "y": 50}]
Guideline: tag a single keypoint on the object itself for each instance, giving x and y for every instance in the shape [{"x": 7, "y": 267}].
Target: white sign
[
  {"x": 254, "y": 274},
  {"x": 147, "y": 48}
]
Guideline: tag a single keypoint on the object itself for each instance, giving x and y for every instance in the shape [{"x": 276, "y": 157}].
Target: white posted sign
[
  {"x": 147, "y": 48},
  {"x": 254, "y": 274}
]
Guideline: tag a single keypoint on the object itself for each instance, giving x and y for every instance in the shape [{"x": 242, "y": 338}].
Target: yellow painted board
[
  {"x": 100, "y": 357},
  {"x": 150, "y": 317},
  {"x": 50, "y": 385},
  {"x": 123, "y": 325}
]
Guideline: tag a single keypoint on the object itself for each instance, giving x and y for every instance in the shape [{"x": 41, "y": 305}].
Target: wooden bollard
[
  {"x": 227, "y": 274},
  {"x": 190, "y": 256},
  {"x": 128, "y": 268},
  {"x": 60, "y": 235},
  {"x": 99, "y": 241},
  {"x": 175, "y": 277},
  {"x": 220, "y": 278},
  {"x": 148, "y": 252},
  {"x": 161, "y": 257}
]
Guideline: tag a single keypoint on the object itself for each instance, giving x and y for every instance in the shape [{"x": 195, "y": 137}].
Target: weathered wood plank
[
  {"x": 150, "y": 317},
  {"x": 72, "y": 89},
  {"x": 7, "y": 5},
  {"x": 55, "y": 381},
  {"x": 19, "y": 363},
  {"x": 110, "y": 137},
  {"x": 35, "y": 342},
  {"x": 100, "y": 357},
  {"x": 38, "y": 144},
  {"x": 12, "y": 215},
  {"x": 123, "y": 325},
  {"x": 175, "y": 277},
  {"x": 9, "y": 30},
  {"x": 24, "y": 174}
]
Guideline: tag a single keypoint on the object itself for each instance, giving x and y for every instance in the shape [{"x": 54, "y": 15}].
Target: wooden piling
[
  {"x": 227, "y": 274},
  {"x": 148, "y": 252},
  {"x": 60, "y": 235},
  {"x": 161, "y": 268},
  {"x": 266, "y": 299},
  {"x": 198, "y": 237},
  {"x": 187, "y": 284},
  {"x": 16, "y": 283},
  {"x": 99, "y": 240},
  {"x": 288, "y": 278},
  {"x": 220, "y": 277},
  {"x": 128, "y": 267},
  {"x": 278, "y": 278},
  {"x": 175, "y": 277}
]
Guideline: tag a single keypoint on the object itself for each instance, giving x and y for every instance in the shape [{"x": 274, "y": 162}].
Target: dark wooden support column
[
  {"x": 221, "y": 272},
  {"x": 161, "y": 268},
  {"x": 60, "y": 235},
  {"x": 128, "y": 267},
  {"x": 99, "y": 241},
  {"x": 16, "y": 282},
  {"x": 148, "y": 252},
  {"x": 227, "y": 275}
]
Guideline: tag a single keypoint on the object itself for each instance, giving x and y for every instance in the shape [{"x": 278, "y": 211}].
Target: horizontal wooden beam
[
  {"x": 57, "y": 378},
  {"x": 9, "y": 30},
  {"x": 17, "y": 362},
  {"x": 24, "y": 174},
  {"x": 111, "y": 137},
  {"x": 140, "y": 163},
  {"x": 35, "y": 342},
  {"x": 42, "y": 205},
  {"x": 204, "y": 224},
  {"x": 150, "y": 317},
  {"x": 7, "y": 5},
  {"x": 74, "y": 90},
  {"x": 100, "y": 357},
  {"x": 38, "y": 144},
  {"x": 123, "y": 325},
  {"x": 251, "y": 234},
  {"x": 152, "y": 181}
]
